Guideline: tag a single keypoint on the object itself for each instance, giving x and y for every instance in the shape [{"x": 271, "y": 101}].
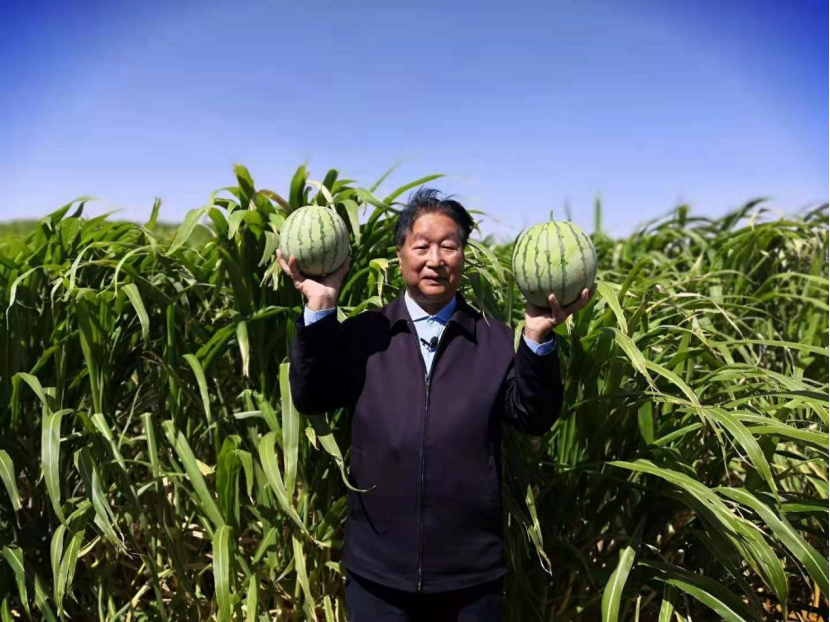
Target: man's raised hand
[{"x": 320, "y": 291}]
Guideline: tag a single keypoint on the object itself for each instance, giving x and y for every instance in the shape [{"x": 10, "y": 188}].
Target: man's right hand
[{"x": 321, "y": 293}]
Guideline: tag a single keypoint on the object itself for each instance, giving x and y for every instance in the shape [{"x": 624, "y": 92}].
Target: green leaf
[
  {"x": 73, "y": 271},
  {"x": 188, "y": 460},
  {"x": 5, "y": 611},
  {"x": 105, "y": 518},
  {"x": 202, "y": 382},
  {"x": 13, "y": 290},
  {"x": 383, "y": 177},
  {"x": 55, "y": 554},
  {"x": 272, "y": 240},
  {"x": 34, "y": 383},
  {"x": 184, "y": 231},
  {"x": 150, "y": 225},
  {"x": 325, "y": 437},
  {"x": 228, "y": 466},
  {"x": 290, "y": 431},
  {"x": 50, "y": 448},
  {"x": 244, "y": 346},
  {"x": 222, "y": 571},
  {"x": 7, "y": 474},
  {"x": 352, "y": 210},
  {"x": 813, "y": 561},
  {"x": 135, "y": 298},
  {"x": 302, "y": 576},
  {"x": 14, "y": 557},
  {"x": 246, "y": 185},
  {"x": 748, "y": 442},
  {"x": 268, "y": 540},
  {"x": 609, "y": 294},
  {"x": 41, "y": 600},
  {"x": 630, "y": 348},
  {"x": 705, "y": 500},
  {"x": 296, "y": 196},
  {"x": 252, "y": 600},
  {"x": 709, "y": 592},
  {"x": 534, "y": 530},
  {"x": 271, "y": 468},
  {"x": 613, "y": 589},
  {"x": 234, "y": 221},
  {"x": 247, "y": 462},
  {"x": 67, "y": 568},
  {"x": 667, "y": 606}
]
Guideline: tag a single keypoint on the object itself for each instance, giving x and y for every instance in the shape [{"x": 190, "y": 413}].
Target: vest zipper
[{"x": 427, "y": 382}]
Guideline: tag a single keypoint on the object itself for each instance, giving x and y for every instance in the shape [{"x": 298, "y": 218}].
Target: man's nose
[{"x": 433, "y": 257}]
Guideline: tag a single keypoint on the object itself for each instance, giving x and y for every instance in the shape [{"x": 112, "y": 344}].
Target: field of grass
[{"x": 153, "y": 466}]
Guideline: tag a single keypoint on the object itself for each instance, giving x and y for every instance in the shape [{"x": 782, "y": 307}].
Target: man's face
[{"x": 432, "y": 259}]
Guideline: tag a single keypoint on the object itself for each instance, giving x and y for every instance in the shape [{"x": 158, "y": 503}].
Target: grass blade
[
  {"x": 290, "y": 431},
  {"x": 707, "y": 591},
  {"x": 105, "y": 518},
  {"x": 813, "y": 561},
  {"x": 7, "y": 474},
  {"x": 135, "y": 298},
  {"x": 252, "y": 599},
  {"x": 50, "y": 457},
  {"x": 271, "y": 468},
  {"x": 67, "y": 568},
  {"x": 302, "y": 576},
  {"x": 188, "y": 460},
  {"x": 202, "y": 382},
  {"x": 186, "y": 229},
  {"x": 612, "y": 594},
  {"x": 244, "y": 346},
  {"x": 15, "y": 560},
  {"x": 221, "y": 571}
]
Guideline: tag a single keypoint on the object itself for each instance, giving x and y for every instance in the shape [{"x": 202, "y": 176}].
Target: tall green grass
[{"x": 155, "y": 467}]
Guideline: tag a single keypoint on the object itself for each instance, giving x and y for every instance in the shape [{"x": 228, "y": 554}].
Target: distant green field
[{"x": 16, "y": 231}]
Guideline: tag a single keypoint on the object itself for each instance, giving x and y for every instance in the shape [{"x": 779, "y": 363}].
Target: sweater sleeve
[
  {"x": 532, "y": 392},
  {"x": 318, "y": 377}
]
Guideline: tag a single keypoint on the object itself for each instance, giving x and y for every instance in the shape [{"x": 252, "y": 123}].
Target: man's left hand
[{"x": 540, "y": 322}]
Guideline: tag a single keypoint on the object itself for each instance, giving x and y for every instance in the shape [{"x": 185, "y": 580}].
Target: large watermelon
[
  {"x": 554, "y": 257},
  {"x": 317, "y": 237}
]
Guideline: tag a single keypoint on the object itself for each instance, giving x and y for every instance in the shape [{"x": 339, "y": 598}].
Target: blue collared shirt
[{"x": 429, "y": 326}]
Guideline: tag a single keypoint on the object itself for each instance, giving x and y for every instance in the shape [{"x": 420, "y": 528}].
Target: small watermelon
[
  {"x": 554, "y": 257},
  {"x": 317, "y": 237}
]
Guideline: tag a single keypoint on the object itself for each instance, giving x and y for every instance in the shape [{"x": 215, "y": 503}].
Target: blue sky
[{"x": 524, "y": 106}]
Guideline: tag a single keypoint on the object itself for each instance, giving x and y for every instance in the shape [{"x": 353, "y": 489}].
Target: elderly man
[{"x": 427, "y": 380}]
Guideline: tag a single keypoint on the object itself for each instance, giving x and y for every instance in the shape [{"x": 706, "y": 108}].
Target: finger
[
  {"x": 554, "y": 303},
  {"x": 295, "y": 271},
  {"x": 557, "y": 314},
  {"x": 282, "y": 263}
]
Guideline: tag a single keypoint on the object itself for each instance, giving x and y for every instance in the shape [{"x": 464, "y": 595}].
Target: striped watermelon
[
  {"x": 554, "y": 258},
  {"x": 317, "y": 237}
]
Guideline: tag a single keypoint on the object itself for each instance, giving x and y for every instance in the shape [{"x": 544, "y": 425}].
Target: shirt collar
[{"x": 417, "y": 313}]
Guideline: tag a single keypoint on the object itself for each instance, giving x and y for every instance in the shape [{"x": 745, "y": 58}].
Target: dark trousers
[{"x": 367, "y": 601}]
